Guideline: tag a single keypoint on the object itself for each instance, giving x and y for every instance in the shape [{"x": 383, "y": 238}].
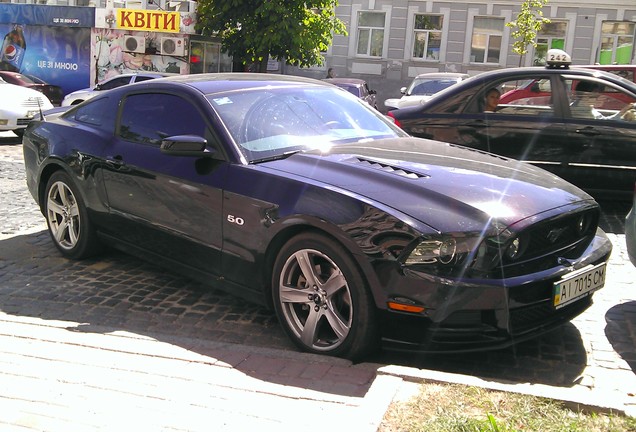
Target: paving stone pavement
[{"x": 116, "y": 343}]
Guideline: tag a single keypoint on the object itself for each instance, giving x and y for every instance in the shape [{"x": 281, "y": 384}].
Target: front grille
[
  {"x": 543, "y": 314},
  {"x": 34, "y": 102},
  {"x": 547, "y": 241}
]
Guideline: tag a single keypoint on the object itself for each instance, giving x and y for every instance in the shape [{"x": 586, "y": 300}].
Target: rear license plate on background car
[{"x": 576, "y": 285}]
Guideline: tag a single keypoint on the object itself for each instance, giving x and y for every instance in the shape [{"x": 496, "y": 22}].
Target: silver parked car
[
  {"x": 423, "y": 87},
  {"x": 79, "y": 96},
  {"x": 19, "y": 106}
]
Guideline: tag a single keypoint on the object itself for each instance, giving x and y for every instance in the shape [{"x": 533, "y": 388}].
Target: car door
[
  {"x": 527, "y": 128},
  {"x": 604, "y": 136},
  {"x": 170, "y": 205}
]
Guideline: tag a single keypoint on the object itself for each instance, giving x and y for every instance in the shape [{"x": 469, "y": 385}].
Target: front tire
[
  {"x": 322, "y": 299},
  {"x": 66, "y": 216}
]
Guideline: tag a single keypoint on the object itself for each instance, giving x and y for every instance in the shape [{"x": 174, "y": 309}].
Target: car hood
[
  {"x": 15, "y": 94},
  {"x": 445, "y": 186},
  {"x": 406, "y": 101},
  {"x": 81, "y": 92}
]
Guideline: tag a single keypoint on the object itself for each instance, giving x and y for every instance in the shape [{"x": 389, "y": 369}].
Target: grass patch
[{"x": 458, "y": 408}]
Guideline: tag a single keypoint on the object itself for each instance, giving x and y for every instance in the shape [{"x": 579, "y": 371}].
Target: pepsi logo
[{"x": 10, "y": 52}]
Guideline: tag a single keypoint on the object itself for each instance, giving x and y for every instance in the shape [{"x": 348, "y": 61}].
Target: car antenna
[{"x": 40, "y": 109}]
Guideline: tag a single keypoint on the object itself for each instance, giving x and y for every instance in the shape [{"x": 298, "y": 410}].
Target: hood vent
[{"x": 389, "y": 169}]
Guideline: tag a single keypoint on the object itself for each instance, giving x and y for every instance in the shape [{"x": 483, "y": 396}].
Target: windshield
[
  {"x": 270, "y": 122},
  {"x": 428, "y": 87}
]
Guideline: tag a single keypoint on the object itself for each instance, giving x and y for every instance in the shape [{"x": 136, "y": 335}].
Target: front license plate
[{"x": 576, "y": 285}]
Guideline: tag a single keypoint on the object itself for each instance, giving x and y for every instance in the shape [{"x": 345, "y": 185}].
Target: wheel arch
[
  {"x": 45, "y": 175},
  {"x": 298, "y": 225}
]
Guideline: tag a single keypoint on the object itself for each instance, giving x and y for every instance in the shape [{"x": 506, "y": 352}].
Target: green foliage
[
  {"x": 290, "y": 30},
  {"x": 528, "y": 23}
]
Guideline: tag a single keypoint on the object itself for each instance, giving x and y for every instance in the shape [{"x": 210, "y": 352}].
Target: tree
[
  {"x": 529, "y": 21},
  {"x": 294, "y": 31}
]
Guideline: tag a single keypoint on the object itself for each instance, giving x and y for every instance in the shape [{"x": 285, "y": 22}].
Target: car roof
[
  {"x": 613, "y": 67},
  {"x": 350, "y": 81},
  {"x": 537, "y": 70},
  {"x": 443, "y": 75},
  {"x": 147, "y": 74},
  {"x": 215, "y": 82}
]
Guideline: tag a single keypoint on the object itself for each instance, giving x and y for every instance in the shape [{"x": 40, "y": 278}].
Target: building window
[
  {"x": 617, "y": 42},
  {"x": 551, "y": 36},
  {"x": 486, "y": 41},
  {"x": 427, "y": 37},
  {"x": 370, "y": 33}
]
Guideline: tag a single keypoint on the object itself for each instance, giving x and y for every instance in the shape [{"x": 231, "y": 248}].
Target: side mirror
[
  {"x": 373, "y": 92},
  {"x": 403, "y": 90},
  {"x": 186, "y": 145}
]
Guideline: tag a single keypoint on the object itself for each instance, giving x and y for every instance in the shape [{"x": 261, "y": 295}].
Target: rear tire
[
  {"x": 66, "y": 216},
  {"x": 322, "y": 300}
]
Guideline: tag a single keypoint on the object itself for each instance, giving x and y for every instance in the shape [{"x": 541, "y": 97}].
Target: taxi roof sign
[{"x": 557, "y": 59}]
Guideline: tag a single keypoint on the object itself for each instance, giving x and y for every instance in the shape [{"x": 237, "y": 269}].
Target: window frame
[
  {"x": 614, "y": 38},
  {"x": 428, "y": 32},
  {"x": 489, "y": 34},
  {"x": 371, "y": 30},
  {"x": 550, "y": 39}
]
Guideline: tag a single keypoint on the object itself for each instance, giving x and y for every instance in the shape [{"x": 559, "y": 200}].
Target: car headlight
[
  {"x": 433, "y": 251},
  {"x": 444, "y": 254}
]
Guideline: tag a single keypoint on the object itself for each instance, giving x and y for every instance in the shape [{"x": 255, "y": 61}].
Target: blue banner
[
  {"x": 63, "y": 16},
  {"x": 57, "y": 55}
]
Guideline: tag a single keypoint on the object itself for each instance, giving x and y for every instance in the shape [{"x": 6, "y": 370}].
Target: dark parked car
[
  {"x": 578, "y": 123},
  {"x": 630, "y": 230},
  {"x": 53, "y": 92},
  {"x": 296, "y": 194},
  {"x": 356, "y": 87}
]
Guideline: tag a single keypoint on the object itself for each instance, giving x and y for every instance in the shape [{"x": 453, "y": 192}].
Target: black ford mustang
[{"x": 295, "y": 194}]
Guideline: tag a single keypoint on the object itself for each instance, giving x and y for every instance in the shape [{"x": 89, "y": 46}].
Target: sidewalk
[
  {"x": 114, "y": 344},
  {"x": 64, "y": 376}
]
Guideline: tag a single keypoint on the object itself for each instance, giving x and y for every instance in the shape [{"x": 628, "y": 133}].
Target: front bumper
[{"x": 476, "y": 315}]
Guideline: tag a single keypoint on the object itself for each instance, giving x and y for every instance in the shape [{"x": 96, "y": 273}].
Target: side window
[
  {"x": 518, "y": 97},
  {"x": 115, "y": 82},
  {"x": 148, "y": 118},
  {"x": 142, "y": 78},
  {"x": 97, "y": 112},
  {"x": 591, "y": 99}
]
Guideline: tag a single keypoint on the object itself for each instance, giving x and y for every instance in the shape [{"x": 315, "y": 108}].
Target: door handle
[
  {"x": 115, "y": 161},
  {"x": 588, "y": 131},
  {"x": 477, "y": 124}
]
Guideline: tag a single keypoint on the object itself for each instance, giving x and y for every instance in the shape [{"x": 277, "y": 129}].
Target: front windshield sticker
[{"x": 222, "y": 101}]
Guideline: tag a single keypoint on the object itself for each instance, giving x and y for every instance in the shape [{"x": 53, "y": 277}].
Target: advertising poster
[
  {"x": 49, "y": 42},
  {"x": 57, "y": 55}
]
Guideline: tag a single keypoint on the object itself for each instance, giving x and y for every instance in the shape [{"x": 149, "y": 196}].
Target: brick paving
[{"x": 113, "y": 342}]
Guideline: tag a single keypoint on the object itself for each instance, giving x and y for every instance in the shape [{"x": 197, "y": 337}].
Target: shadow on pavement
[
  {"x": 613, "y": 215},
  {"x": 623, "y": 335},
  {"x": 116, "y": 292},
  {"x": 10, "y": 140}
]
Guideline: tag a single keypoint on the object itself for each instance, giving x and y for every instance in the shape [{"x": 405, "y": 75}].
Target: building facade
[
  {"x": 391, "y": 41},
  {"x": 388, "y": 42}
]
